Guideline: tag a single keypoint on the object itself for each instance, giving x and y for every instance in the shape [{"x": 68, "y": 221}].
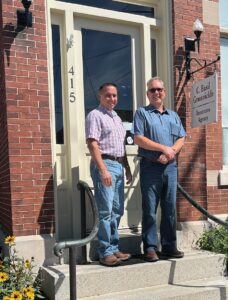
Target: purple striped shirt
[{"x": 106, "y": 127}]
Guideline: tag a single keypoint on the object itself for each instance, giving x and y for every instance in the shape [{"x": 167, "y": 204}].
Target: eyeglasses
[{"x": 153, "y": 90}]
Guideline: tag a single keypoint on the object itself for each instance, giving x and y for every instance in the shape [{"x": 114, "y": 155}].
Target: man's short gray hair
[{"x": 153, "y": 79}]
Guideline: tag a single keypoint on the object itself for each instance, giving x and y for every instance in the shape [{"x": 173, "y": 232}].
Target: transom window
[{"x": 116, "y": 6}]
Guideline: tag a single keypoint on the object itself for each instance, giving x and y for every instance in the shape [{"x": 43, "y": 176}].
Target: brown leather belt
[{"x": 107, "y": 156}]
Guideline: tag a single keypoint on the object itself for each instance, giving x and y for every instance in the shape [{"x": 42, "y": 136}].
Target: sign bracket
[{"x": 205, "y": 65}]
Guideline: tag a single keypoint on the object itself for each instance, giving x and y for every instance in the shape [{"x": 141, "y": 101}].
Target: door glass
[
  {"x": 153, "y": 58},
  {"x": 57, "y": 84},
  {"x": 117, "y": 6},
  {"x": 107, "y": 58}
]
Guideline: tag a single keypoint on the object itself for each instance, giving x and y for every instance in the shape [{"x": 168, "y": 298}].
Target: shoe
[
  {"x": 151, "y": 256},
  {"x": 175, "y": 253},
  {"x": 110, "y": 261},
  {"x": 122, "y": 256}
]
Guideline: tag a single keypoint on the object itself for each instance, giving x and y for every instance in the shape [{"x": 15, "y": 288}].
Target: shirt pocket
[{"x": 175, "y": 129}]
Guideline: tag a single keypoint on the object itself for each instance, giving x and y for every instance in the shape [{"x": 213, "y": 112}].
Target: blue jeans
[
  {"x": 158, "y": 183},
  {"x": 110, "y": 204}
]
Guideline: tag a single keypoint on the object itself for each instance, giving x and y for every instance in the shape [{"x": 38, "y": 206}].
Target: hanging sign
[{"x": 204, "y": 101}]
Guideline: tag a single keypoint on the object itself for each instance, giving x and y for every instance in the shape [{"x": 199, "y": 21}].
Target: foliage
[
  {"x": 17, "y": 280},
  {"x": 215, "y": 239}
]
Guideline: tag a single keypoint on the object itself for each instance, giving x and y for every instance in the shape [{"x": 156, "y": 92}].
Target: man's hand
[
  {"x": 169, "y": 152},
  {"x": 106, "y": 177},
  {"x": 163, "y": 159}
]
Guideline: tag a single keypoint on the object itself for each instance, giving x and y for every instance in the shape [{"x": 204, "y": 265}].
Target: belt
[
  {"x": 107, "y": 156},
  {"x": 150, "y": 159},
  {"x": 155, "y": 160}
]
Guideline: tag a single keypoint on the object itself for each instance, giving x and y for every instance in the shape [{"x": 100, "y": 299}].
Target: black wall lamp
[
  {"x": 190, "y": 46},
  {"x": 24, "y": 17}
]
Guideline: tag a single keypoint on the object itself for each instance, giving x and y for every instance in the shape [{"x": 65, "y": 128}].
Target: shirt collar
[
  {"x": 105, "y": 110},
  {"x": 151, "y": 108}
]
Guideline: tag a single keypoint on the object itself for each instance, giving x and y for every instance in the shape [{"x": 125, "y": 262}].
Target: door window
[
  {"x": 107, "y": 58},
  {"x": 57, "y": 84}
]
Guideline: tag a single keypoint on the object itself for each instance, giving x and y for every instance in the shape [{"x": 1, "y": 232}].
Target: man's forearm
[
  {"x": 148, "y": 144},
  {"x": 178, "y": 145},
  {"x": 96, "y": 154},
  {"x": 145, "y": 143}
]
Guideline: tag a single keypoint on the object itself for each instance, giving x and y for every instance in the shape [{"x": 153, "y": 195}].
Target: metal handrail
[
  {"x": 58, "y": 248},
  {"x": 72, "y": 244},
  {"x": 199, "y": 207}
]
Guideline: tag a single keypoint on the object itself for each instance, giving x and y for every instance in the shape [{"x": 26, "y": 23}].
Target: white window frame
[{"x": 223, "y": 174}]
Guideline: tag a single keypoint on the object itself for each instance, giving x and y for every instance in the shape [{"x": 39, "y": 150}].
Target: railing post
[
  {"x": 83, "y": 223},
  {"x": 72, "y": 244},
  {"x": 72, "y": 270}
]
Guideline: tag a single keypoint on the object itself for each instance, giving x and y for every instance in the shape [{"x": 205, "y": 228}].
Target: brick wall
[
  {"x": 27, "y": 133},
  {"x": 26, "y": 182},
  {"x": 5, "y": 196},
  {"x": 203, "y": 148}
]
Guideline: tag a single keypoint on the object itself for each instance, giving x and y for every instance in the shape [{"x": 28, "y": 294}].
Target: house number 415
[{"x": 72, "y": 97}]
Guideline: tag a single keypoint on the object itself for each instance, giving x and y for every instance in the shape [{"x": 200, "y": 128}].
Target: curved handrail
[
  {"x": 58, "y": 248},
  {"x": 199, "y": 207}
]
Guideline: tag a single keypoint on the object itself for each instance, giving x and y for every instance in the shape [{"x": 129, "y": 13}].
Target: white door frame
[{"x": 66, "y": 15}]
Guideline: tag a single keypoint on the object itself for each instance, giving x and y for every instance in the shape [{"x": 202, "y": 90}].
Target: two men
[
  {"x": 105, "y": 137},
  {"x": 160, "y": 136}
]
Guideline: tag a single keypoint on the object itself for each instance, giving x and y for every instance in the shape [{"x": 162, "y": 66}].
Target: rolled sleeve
[
  {"x": 138, "y": 125},
  {"x": 181, "y": 131},
  {"x": 93, "y": 127}
]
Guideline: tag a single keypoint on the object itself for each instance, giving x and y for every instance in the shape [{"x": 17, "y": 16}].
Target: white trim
[
  {"x": 141, "y": 29},
  {"x": 223, "y": 176},
  {"x": 223, "y": 32},
  {"x": 100, "y": 13}
]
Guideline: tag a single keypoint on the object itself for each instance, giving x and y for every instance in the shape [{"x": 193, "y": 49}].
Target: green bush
[{"x": 215, "y": 240}]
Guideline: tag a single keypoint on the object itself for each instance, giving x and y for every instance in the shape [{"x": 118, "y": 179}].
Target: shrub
[
  {"x": 215, "y": 239},
  {"x": 17, "y": 280}
]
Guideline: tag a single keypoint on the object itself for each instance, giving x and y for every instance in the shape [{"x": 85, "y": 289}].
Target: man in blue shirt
[{"x": 160, "y": 136}]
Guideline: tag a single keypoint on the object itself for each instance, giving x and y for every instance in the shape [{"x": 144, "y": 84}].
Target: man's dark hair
[{"x": 107, "y": 84}]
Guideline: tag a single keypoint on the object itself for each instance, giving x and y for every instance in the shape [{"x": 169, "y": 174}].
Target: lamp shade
[{"x": 197, "y": 26}]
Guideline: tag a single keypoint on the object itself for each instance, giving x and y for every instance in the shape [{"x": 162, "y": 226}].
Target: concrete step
[
  {"x": 207, "y": 289},
  {"x": 94, "y": 279},
  {"x": 130, "y": 241}
]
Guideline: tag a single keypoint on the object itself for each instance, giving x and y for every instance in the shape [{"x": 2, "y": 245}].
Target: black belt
[
  {"x": 155, "y": 160},
  {"x": 107, "y": 156}
]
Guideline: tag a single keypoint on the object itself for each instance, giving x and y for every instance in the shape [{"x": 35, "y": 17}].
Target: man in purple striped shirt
[{"x": 105, "y": 136}]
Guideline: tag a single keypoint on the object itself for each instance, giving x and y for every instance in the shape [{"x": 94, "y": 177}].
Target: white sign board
[{"x": 204, "y": 101}]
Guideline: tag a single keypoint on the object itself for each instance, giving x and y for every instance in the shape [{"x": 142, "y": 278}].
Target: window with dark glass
[
  {"x": 153, "y": 58},
  {"x": 107, "y": 58},
  {"x": 117, "y": 6},
  {"x": 57, "y": 84}
]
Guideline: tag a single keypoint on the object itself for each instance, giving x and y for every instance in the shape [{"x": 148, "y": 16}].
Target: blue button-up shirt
[{"x": 164, "y": 128}]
